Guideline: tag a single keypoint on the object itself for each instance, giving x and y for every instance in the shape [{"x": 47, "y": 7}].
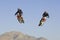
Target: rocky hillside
[{"x": 18, "y": 36}]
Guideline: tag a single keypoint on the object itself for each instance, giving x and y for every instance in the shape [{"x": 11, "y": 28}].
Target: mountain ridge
[{"x": 14, "y": 35}]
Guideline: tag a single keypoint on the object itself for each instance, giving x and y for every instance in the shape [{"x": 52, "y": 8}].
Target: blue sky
[{"x": 32, "y": 13}]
